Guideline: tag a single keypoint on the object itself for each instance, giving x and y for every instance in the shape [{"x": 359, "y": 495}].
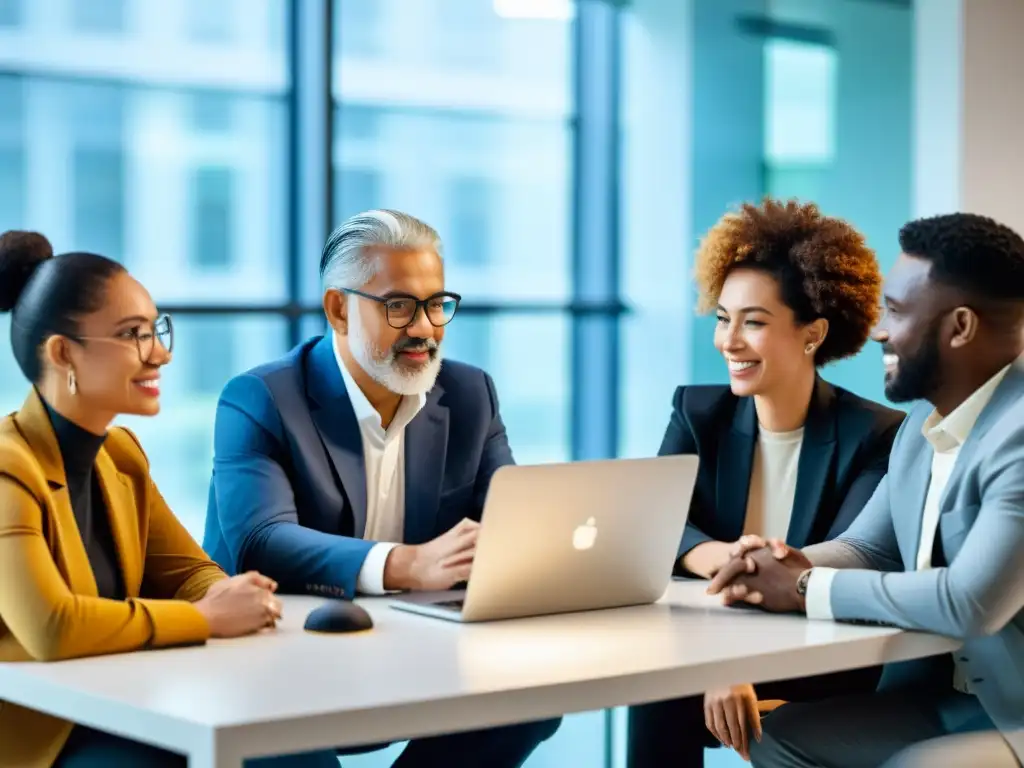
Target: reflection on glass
[
  {"x": 461, "y": 116},
  {"x": 172, "y": 163}
]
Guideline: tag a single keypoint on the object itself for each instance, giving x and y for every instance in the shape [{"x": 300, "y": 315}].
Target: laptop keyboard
[{"x": 455, "y": 605}]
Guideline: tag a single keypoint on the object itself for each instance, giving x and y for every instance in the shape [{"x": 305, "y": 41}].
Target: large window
[
  {"x": 569, "y": 153},
  {"x": 175, "y": 164},
  {"x": 462, "y": 116}
]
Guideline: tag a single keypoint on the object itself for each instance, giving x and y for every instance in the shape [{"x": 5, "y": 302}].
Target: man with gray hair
[{"x": 359, "y": 462}]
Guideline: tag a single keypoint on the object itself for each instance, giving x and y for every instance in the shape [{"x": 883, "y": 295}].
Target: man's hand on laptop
[{"x": 437, "y": 565}]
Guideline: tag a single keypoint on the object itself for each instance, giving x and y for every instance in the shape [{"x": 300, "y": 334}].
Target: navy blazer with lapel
[
  {"x": 288, "y": 493},
  {"x": 844, "y": 455}
]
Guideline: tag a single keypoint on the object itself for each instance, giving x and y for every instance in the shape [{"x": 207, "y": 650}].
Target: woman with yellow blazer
[{"x": 92, "y": 561}]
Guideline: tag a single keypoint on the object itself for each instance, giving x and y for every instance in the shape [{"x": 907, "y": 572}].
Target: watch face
[{"x": 801, "y": 582}]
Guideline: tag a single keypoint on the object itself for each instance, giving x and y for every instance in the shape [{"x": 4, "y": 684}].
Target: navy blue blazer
[
  {"x": 288, "y": 494},
  {"x": 844, "y": 455}
]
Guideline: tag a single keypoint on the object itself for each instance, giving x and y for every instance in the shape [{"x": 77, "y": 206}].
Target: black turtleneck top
[{"x": 78, "y": 449}]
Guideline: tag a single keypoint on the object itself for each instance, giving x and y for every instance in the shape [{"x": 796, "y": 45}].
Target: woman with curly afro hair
[{"x": 784, "y": 454}]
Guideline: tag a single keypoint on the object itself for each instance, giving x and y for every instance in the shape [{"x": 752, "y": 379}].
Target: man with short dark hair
[{"x": 940, "y": 546}]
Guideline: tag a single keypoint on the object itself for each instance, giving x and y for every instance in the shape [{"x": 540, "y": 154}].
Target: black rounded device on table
[{"x": 338, "y": 616}]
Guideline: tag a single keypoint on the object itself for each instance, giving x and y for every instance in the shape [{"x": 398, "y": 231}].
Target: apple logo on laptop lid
[{"x": 585, "y": 535}]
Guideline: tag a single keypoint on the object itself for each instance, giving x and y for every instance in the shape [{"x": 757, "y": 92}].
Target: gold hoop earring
[
  {"x": 72, "y": 382},
  {"x": 809, "y": 349}
]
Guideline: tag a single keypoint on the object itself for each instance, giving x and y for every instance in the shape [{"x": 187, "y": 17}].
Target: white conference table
[{"x": 288, "y": 690}]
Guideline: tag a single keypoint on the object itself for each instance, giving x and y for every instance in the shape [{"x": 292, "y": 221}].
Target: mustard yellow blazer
[{"x": 49, "y": 607}]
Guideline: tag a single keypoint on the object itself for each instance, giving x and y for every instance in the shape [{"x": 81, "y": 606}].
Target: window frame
[{"x": 595, "y": 307}]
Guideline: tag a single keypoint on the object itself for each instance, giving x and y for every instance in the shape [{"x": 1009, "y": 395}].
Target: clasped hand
[
  {"x": 240, "y": 605},
  {"x": 763, "y": 573}
]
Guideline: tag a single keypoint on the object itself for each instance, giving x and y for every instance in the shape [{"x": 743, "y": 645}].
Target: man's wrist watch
[{"x": 801, "y": 582}]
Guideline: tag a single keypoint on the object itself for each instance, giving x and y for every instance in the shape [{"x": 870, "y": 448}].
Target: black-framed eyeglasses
[
  {"x": 143, "y": 336},
  {"x": 402, "y": 309}
]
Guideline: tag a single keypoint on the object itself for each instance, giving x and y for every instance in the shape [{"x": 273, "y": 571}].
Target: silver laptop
[{"x": 558, "y": 538}]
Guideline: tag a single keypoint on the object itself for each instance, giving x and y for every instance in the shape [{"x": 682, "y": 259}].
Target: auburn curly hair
[{"x": 822, "y": 265}]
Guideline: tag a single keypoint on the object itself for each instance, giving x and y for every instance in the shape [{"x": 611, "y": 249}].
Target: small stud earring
[{"x": 72, "y": 383}]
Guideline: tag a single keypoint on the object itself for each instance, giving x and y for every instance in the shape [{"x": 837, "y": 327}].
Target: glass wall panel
[{"x": 125, "y": 131}]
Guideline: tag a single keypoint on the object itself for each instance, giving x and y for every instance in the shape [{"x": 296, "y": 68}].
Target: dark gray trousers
[{"x": 891, "y": 729}]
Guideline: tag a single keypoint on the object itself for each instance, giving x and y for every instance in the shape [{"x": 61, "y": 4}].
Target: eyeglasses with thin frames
[
  {"x": 402, "y": 309},
  {"x": 145, "y": 340}
]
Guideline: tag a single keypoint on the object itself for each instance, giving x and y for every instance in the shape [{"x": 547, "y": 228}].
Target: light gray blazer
[{"x": 979, "y": 598}]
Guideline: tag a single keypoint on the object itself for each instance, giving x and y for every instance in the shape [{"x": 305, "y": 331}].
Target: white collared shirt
[
  {"x": 384, "y": 458},
  {"x": 946, "y": 436}
]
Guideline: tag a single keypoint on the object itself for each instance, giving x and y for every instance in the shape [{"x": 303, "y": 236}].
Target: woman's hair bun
[{"x": 20, "y": 254}]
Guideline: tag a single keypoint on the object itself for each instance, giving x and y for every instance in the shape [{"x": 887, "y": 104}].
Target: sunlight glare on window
[{"x": 534, "y": 9}]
